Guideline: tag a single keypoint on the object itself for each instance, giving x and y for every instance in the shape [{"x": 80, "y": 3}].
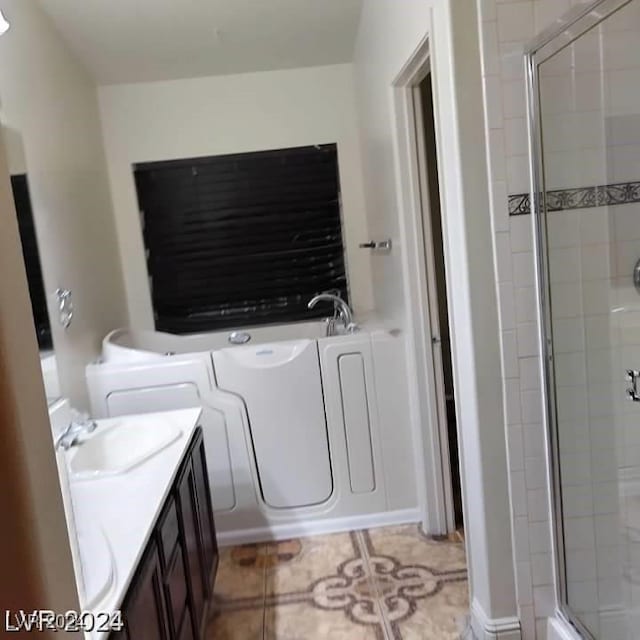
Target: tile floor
[{"x": 392, "y": 583}]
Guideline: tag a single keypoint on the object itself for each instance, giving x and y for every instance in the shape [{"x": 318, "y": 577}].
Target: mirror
[{"x": 19, "y": 175}]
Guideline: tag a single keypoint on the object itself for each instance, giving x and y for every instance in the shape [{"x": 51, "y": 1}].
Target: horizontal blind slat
[{"x": 242, "y": 239}]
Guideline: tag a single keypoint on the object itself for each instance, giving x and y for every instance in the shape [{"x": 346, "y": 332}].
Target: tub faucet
[
  {"x": 342, "y": 308},
  {"x": 69, "y": 437}
]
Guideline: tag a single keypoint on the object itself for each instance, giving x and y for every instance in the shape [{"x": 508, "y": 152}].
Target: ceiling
[{"x": 146, "y": 40}]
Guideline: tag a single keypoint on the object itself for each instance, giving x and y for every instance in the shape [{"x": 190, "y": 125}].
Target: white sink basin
[
  {"x": 96, "y": 560},
  {"x": 120, "y": 447}
]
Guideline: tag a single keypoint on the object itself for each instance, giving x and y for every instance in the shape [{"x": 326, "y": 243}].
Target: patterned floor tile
[
  {"x": 423, "y": 583},
  {"x": 439, "y": 617},
  {"x": 409, "y": 545},
  {"x": 392, "y": 583},
  {"x": 236, "y": 625},
  {"x": 304, "y": 621},
  {"x": 314, "y": 558},
  {"x": 241, "y": 576}
]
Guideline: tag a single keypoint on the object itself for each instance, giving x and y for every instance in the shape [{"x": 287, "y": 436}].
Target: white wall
[
  {"x": 231, "y": 114},
  {"x": 48, "y": 100},
  {"x": 390, "y": 32},
  {"x": 505, "y": 29},
  {"x": 14, "y": 150},
  {"x": 37, "y": 569}
]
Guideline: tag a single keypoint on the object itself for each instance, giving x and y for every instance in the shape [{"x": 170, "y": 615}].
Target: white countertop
[{"x": 127, "y": 506}]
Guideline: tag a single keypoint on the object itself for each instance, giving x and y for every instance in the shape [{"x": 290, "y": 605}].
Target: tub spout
[{"x": 342, "y": 308}]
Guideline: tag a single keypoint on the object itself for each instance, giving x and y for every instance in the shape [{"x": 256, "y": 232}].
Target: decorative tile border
[
  {"x": 519, "y": 204},
  {"x": 581, "y": 198}
]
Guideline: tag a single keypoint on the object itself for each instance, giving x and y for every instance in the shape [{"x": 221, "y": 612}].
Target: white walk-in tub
[{"x": 304, "y": 433}]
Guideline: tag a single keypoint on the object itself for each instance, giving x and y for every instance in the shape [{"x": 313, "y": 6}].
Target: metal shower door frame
[{"x": 563, "y": 33}]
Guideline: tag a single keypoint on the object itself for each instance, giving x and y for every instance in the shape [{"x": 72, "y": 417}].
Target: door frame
[
  {"x": 434, "y": 352},
  {"x": 448, "y": 40},
  {"x": 434, "y": 468}
]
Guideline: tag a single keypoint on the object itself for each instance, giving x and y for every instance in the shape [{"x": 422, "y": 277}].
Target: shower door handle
[{"x": 632, "y": 391}]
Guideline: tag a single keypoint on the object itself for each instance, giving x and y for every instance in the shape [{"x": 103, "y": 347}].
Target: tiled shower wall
[
  {"x": 506, "y": 26},
  {"x": 590, "y": 122}
]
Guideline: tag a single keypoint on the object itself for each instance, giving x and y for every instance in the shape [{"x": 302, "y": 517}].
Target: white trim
[
  {"x": 559, "y": 629},
  {"x": 318, "y": 527},
  {"x": 473, "y": 309},
  {"x": 435, "y": 352},
  {"x": 485, "y": 628},
  {"x": 423, "y": 404},
  {"x": 450, "y": 37}
]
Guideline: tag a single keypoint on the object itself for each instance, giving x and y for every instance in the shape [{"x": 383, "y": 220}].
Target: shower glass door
[{"x": 584, "y": 93}]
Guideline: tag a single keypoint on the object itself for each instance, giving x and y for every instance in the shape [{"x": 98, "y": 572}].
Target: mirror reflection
[{"x": 33, "y": 266}]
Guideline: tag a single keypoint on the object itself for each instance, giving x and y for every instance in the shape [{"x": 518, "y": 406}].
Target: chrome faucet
[
  {"x": 341, "y": 307},
  {"x": 70, "y": 436}
]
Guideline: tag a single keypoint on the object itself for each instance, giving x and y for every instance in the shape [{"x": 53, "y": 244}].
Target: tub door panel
[
  {"x": 148, "y": 399},
  {"x": 352, "y": 414},
  {"x": 216, "y": 444},
  {"x": 281, "y": 386},
  {"x": 357, "y": 426},
  {"x": 214, "y": 427}
]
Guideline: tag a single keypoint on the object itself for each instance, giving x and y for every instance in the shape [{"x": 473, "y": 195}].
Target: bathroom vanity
[
  {"x": 173, "y": 583},
  {"x": 141, "y": 524}
]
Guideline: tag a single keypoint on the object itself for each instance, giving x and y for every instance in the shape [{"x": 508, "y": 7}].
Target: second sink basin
[
  {"x": 96, "y": 564},
  {"x": 120, "y": 447}
]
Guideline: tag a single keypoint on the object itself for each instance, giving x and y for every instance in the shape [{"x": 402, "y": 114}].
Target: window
[
  {"x": 22, "y": 200},
  {"x": 243, "y": 239}
]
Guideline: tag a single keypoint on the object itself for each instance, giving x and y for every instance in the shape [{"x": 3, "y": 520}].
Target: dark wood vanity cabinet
[
  {"x": 169, "y": 595},
  {"x": 192, "y": 538},
  {"x": 145, "y": 612}
]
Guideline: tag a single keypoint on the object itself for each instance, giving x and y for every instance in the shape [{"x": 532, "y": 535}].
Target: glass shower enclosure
[{"x": 584, "y": 116}]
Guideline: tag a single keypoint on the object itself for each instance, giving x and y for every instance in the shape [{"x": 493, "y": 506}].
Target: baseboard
[
  {"x": 317, "y": 527},
  {"x": 485, "y": 628},
  {"x": 559, "y": 629}
]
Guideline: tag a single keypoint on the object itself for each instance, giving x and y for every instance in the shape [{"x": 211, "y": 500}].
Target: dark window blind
[
  {"x": 22, "y": 201},
  {"x": 243, "y": 239}
]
